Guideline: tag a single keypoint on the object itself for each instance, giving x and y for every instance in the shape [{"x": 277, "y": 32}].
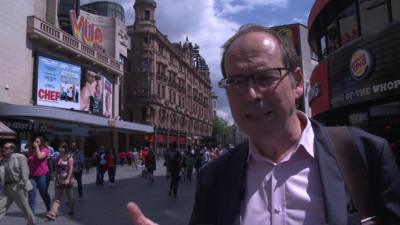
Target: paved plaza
[{"x": 107, "y": 205}]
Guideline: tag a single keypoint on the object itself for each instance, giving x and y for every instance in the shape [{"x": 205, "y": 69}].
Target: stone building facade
[
  {"x": 48, "y": 76},
  {"x": 167, "y": 85}
]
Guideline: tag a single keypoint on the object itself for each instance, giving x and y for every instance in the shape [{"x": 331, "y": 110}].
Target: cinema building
[
  {"x": 357, "y": 80},
  {"x": 61, "y": 69},
  {"x": 167, "y": 84}
]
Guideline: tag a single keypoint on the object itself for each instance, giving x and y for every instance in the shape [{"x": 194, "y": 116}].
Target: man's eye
[
  {"x": 234, "y": 81},
  {"x": 265, "y": 79}
]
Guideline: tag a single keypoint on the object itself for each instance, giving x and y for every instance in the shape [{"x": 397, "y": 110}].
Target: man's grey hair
[{"x": 290, "y": 58}]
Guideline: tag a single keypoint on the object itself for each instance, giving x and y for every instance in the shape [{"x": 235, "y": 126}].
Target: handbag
[
  {"x": 352, "y": 169},
  {"x": 70, "y": 184}
]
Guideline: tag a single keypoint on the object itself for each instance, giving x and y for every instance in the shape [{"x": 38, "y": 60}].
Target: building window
[
  {"x": 163, "y": 92},
  {"x": 333, "y": 36},
  {"x": 348, "y": 24},
  {"x": 147, "y": 39},
  {"x": 373, "y": 15},
  {"x": 160, "y": 49},
  {"x": 323, "y": 49},
  {"x": 147, "y": 14},
  {"x": 396, "y": 10},
  {"x": 147, "y": 64}
]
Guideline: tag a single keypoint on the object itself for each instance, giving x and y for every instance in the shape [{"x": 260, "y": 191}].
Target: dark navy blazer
[{"x": 221, "y": 183}]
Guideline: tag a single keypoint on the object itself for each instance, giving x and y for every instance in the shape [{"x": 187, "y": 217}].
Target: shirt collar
[{"x": 306, "y": 141}]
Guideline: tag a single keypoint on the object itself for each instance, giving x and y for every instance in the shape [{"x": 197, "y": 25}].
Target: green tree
[{"x": 221, "y": 130}]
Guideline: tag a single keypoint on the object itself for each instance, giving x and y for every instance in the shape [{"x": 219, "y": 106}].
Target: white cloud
[
  {"x": 229, "y": 7},
  {"x": 225, "y": 114},
  {"x": 298, "y": 20}
]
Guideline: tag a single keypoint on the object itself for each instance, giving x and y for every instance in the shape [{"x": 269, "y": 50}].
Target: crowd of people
[{"x": 24, "y": 174}]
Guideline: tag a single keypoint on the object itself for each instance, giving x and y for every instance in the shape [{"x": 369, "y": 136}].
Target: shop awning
[
  {"x": 70, "y": 116},
  {"x": 5, "y": 132}
]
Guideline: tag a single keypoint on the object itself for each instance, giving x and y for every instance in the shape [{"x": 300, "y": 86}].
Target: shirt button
[{"x": 277, "y": 209}]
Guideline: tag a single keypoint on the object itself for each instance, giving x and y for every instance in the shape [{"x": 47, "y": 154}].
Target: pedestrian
[
  {"x": 189, "y": 161},
  {"x": 64, "y": 182},
  {"x": 151, "y": 165},
  {"x": 143, "y": 156},
  {"x": 101, "y": 164},
  {"x": 135, "y": 159},
  {"x": 15, "y": 182},
  {"x": 129, "y": 155},
  {"x": 286, "y": 173},
  {"x": 197, "y": 160},
  {"x": 79, "y": 164},
  {"x": 88, "y": 164},
  {"x": 174, "y": 163},
  {"x": 122, "y": 156},
  {"x": 50, "y": 164},
  {"x": 111, "y": 166},
  {"x": 38, "y": 170}
]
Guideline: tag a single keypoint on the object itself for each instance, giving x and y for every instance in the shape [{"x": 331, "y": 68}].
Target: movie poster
[
  {"x": 107, "y": 98},
  {"x": 92, "y": 92},
  {"x": 96, "y": 94},
  {"x": 58, "y": 84}
]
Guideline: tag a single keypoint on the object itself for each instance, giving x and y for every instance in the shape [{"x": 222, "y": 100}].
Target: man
[
  {"x": 286, "y": 173},
  {"x": 79, "y": 162},
  {"x": 100, "y": 157},
  {"x": 174, "y": 163},
  {"x": 16, "y": 182}
]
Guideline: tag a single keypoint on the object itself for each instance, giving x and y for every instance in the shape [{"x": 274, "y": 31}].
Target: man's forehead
[{"x": 254, "y": 40}]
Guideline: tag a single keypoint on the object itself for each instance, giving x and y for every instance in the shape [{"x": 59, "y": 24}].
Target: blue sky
[{"x": 209, "y": 23}]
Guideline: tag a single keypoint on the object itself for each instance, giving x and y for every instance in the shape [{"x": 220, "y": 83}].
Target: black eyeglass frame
[{"x": 224, "y": 83}]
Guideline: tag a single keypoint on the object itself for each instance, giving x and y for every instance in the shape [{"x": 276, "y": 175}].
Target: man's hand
[{"x": 137, "y": 216}]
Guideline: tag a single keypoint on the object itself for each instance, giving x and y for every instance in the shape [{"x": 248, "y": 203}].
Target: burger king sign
[{"x": 361, "y": 64}]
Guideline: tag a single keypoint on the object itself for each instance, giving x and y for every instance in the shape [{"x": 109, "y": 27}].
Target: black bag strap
[{"x": 352, "y": 168}]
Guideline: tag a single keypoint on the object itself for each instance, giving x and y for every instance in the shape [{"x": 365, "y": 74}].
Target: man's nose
[{"x": 252, "y": 91}]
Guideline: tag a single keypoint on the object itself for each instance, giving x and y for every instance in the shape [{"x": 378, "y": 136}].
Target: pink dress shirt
[
  {"x": 284, "y": 193},
  {"x": 38, "y": 167}
]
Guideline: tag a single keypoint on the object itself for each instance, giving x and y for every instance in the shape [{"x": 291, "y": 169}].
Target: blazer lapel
[
  {"x": 233, "y": 186},
  {"x": 333, "y": 186}
]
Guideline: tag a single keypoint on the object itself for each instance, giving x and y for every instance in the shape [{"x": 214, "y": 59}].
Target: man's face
[
  {"x": 260, "y": 111},
  {"x": 7, "y": 150},
  {"x": 92, "y": 88}
]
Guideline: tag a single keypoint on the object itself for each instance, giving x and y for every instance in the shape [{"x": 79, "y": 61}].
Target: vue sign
[{"x": 85, "y": 31}]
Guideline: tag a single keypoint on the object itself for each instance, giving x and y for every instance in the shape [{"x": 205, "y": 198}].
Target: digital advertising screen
[{"x": 58, "y": 84}]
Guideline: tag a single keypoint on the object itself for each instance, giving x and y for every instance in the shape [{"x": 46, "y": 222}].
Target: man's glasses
[{"x": 262, "y": 79}]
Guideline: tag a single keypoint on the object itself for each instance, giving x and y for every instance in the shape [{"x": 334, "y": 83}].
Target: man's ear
[{"x": 299, "y": 83}]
